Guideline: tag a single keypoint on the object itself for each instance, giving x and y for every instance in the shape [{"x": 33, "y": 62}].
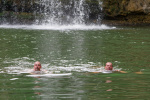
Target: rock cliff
[{"x": 126, "y": 12}]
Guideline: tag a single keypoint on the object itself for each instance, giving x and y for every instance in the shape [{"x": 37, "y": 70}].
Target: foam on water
[
  {"x": 50, "y": 75},
  {"x": 14, "y": 78},
  {"x": 25, "y": 64},
  {"x": 58, "y": 27},
  {"x": 55, "y": 69}
]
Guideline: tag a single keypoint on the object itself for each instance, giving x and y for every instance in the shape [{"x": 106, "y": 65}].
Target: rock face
[
  {"x": 115, "y": 12},
  {"x": 126, "y": 12},
  {"x": 18, "y": 11},
  {"x": 138, "y": 6}
]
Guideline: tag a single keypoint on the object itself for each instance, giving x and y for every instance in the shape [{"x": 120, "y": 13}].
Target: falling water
[
  {"x": 54, "y": 14},
  {"x": 65, "y": 12}
]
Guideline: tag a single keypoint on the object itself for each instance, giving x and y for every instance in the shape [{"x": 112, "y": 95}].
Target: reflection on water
[
  {"x": 54, "y": 89},
  {"x": 80, "y": 52}
]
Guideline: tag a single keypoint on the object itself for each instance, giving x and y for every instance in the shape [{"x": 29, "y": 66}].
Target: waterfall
[
  {"x": 66, "y": 12},
  {"x": 51, "y": 14}
]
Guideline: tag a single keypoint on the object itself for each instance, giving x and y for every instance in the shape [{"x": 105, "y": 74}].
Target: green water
[{"x": 127, "y": 48}]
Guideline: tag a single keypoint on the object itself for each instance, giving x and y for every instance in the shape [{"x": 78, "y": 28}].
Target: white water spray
[
  {"x": 65, "y": 15},
  {"x": 57, "y": 12}
]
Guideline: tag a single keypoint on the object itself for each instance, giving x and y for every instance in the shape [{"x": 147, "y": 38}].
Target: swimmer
[
  {"x": 37, "y": 69},
  {"x": 109, "y": 66},
  {"x": 37, "y": 66},
  {"x": 109, "y": 69}
]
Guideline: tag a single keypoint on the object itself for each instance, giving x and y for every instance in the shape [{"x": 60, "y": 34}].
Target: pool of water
[{"x": 80, "y": 52}]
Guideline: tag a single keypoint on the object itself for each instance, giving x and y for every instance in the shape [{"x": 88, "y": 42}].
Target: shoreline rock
[
  {"x": 126, "y": 12},
  {"x": 130, "y": 20}
]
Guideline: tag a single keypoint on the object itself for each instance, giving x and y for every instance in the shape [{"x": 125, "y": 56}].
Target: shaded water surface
[{"x": 77, "y": 52}]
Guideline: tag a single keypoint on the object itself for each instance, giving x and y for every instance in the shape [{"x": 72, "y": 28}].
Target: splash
[
  {"x": 23, "y": 65},
  {"x": 57, "y": 27}
]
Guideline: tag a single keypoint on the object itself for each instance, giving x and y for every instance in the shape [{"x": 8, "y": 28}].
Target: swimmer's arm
[
  {"x": 120, "y": 71},
  {"x": 127, "y": 72},
  {"x": 139, "y": 72}
]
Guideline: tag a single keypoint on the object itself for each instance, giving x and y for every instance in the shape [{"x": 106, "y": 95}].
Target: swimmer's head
[
  {"x": 37, "y": 66},
  {"x": 109, "y": 66}
]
